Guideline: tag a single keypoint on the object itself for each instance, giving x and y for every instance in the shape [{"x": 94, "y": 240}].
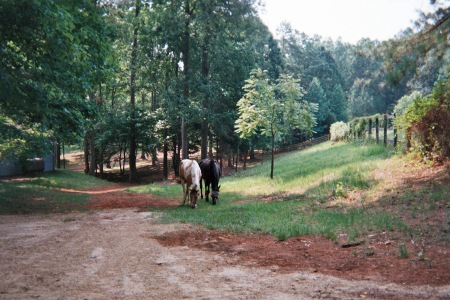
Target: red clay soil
[{"x": 375, "y": 259}]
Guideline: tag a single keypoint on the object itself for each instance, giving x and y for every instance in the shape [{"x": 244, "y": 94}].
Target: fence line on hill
[{"x": 303, "y": 145}]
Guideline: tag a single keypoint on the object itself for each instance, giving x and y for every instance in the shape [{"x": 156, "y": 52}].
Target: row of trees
[{"x": 137, "y": 76}]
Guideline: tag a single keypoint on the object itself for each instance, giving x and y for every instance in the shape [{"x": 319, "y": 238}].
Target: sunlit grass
[
  {"x": 68, "y": 179},
  {"x": 26, "y": 197},
  {"x": 42, "y": 195},
  {"x": 290, "y": 204}
]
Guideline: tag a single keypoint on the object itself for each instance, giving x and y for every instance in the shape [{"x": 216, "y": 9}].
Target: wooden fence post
[
  {"x": 370, "y": 128},
  {"x": 385, "y": 129},
  {"x": 395, "y": 134},
  {"x": 377, "y": 129}
]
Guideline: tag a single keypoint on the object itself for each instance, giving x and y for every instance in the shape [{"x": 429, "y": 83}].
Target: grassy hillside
[{"x": 334, "y": 190}]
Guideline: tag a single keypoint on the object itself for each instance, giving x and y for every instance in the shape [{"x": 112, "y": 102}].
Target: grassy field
[
  {"x": 329, "y": 190},
  {"x": 333, "y": 190}
]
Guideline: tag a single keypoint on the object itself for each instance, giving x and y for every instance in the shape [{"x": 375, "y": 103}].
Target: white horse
[{"x": 190, "y": 174}]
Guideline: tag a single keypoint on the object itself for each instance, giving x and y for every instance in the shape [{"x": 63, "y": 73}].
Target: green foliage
[
  {"x": 273, "y": 110},
  {"x": 404, "y": 102},
  {"x": 52, "y": 52},
  {"x": 260, "y": 110},
  {"x": 359, "y": 126},
  {"x": 425, "y": 122},
  {"x": 339, "y": 131},
  {"x": 21, "y": 145}
]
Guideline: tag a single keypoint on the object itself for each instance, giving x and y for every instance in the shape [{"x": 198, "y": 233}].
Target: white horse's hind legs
[{"x": 185, "y": 194}]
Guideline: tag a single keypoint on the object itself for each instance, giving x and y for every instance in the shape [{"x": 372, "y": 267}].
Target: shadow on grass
[{"x": 25, "y": 199}]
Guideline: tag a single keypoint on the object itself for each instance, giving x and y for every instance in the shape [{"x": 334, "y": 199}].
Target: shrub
[
  {"x": 339, "y": 131},
  {"x": 426, "y": 123}
]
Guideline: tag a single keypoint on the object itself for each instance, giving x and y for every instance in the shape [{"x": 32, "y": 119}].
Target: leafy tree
[
  {"x": 317, "y": 95},
  {"x": 271, "y": 109},
  {"x": 338, "y": 103},
  {"x": 52, "y": 57},
  {"x": 360, "y": 100}
]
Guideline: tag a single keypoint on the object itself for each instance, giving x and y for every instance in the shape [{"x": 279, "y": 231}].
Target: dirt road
[{"x": 115, "y": 254}]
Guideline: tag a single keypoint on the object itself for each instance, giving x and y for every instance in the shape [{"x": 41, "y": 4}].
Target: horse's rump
[
  {"x": 190, "y": 174},
  {"x": 211, "y": 174}
]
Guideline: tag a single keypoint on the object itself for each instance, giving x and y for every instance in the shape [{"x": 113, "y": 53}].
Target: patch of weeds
[
  {"x": 402, "y": 251},
  {"x": 369, "y": 251},
  {"x": 340, "y": 190}
]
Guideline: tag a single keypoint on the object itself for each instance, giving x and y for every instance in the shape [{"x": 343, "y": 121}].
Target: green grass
[
  {"x": 303, "y": 182},
  {"x": 311, "y": 173},
  {"x": 41, "y": 194},
  {"x": 67, "y": 179}
]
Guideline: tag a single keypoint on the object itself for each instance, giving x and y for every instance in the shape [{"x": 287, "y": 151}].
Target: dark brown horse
[{"x": 210, "y": 174}]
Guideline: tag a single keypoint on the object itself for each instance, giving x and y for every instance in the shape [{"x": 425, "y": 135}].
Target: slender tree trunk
[
  {"x": 184, "y": 140},
  {"x": 92, "y": 159},
  {"x": 64, "y": 156},
  {"x": 58, "y": 155},
  {"x": 205, "y": 81},
  {"x": 86, "y": 154},
  {"x": 185, "y": 58},
  {"x": 273, "y": 155},
  {"x": 133, "y": 62},
  {"x": 204, "y": 140},
  {"x": 165, "y": 150},
  {"x": 92, "y": 163},
  {"x": 245, "y": 160},
  {"x": 211, "y": 146}
]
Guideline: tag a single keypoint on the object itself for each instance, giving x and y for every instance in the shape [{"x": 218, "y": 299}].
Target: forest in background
[{"x": 137, "y": 77}]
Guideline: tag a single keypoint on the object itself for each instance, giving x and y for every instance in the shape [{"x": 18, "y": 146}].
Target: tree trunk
[
  {"x": 92, "y": 162},
  {"x": 165, "y": 150},
  {"x": 86, "y": 154},
  {"x": 92, "y": 159},
  {"x": 133, "y": 62},
  {"x": 185, "y": 58},
  {"x": 58, "y": 155},
  {"x": 204, "y": 140},
  {"x": 273, "y": 155},
  {"x": 205, "y": 82}
]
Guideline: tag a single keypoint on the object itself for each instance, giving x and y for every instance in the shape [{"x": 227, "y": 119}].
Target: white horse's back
[{"x": 190, "y": 174}]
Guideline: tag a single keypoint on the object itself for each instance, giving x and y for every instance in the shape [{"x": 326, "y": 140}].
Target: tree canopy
[{"x": 173, "y": 76}]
